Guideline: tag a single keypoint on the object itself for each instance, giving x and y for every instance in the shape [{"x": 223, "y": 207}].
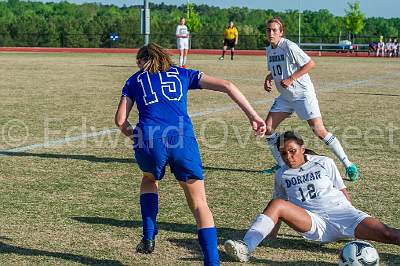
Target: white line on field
[
  {"x": 63, "y": 141},
  {"x": 59, "y": 142}
]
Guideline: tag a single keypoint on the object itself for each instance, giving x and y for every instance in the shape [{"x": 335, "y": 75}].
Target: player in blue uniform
[{"x": 164, "y": 135}]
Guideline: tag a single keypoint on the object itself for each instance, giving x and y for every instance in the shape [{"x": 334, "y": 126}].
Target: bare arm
[
  {"x": 237, "y": 37},
  {"x": 300, "y": 72},
  {"x": 121, "y": 116},
  {"x": 221, "y": 85}
]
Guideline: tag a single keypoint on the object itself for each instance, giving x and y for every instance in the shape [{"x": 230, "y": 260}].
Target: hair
[
  {"x": 277, "y": 20},
  {"x": 291, "y": 135},
  {"x": 156, "y": 57}
]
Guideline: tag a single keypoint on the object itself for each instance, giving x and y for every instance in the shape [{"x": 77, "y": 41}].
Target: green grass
[{"x": 78, "y": 203}]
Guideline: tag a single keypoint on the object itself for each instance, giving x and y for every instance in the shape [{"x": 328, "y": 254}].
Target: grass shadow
[
  {"x": 95, "y": 159},
  {"x": 297, "y": 244},
  {"x": 224, "y": 233},
  {"x": 231, "y": 169},
  {"x": 389, "y": 259},
  {"x": 194, "y": 255},
  {"x": 369, "y": 93},
  {"x": 10, "y": 249},
  {"x": 82, "y": 157}
]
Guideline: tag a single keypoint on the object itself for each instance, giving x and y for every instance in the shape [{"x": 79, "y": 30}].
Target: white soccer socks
[
  {"x": 334, "y": 145},
  {"x": 259, "y": 229},
  {"x": 181, "y": 59}
]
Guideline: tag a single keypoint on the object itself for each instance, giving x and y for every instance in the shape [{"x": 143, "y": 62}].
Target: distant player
[
  {"x": 164, "y": 136},
  {"x": 231, "y": 37},
  {"x": 182, "y": 39},
  {"x": 395, "y": 48},
  {"x": 381, "y": 47},
  {"x": 389, "y": 48},
  {"x": 310, "y": 196},
  {"x": 289, "y": 66}
]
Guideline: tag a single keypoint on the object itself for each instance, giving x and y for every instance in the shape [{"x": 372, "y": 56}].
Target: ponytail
[{"x": 156, "y": 58}]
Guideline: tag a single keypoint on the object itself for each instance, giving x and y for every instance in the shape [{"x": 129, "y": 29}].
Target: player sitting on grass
[
  {"x": 289, "y": 67},
  {"x": 164, "y": 136},
  {"x": 310, "y": 197}
]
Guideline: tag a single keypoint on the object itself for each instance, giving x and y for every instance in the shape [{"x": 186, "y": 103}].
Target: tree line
[{"x": 90, "y": 25}]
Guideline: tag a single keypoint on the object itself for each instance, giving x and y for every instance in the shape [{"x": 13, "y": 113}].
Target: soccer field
[{"x": 70, "y": 193}]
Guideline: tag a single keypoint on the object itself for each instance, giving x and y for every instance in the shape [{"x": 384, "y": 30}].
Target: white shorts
[
  {"x": 306, "y": 108},
  {"x": 183, "y": 43},
  {"x": 336, "y": 225}
]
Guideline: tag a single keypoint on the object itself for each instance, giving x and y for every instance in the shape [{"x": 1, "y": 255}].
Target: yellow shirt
[{"x": 231, "y": 33}]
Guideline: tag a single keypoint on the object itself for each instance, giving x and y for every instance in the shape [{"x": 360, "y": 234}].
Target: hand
[
  {"x": 268, "y": 82},
  {"x": 287, "y": 82},
  {"x": 259, "y": 126}
]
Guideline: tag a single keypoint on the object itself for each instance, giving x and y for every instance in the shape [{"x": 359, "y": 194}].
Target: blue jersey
[{"x": 161, "y": 100}]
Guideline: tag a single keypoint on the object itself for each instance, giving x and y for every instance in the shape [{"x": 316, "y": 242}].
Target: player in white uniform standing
[
  {"x": 310, "y": 197},
  {"x": 289, "y": 67},
  {"x": 381, "y": 47},
  {"x": 182, "y": 38}
]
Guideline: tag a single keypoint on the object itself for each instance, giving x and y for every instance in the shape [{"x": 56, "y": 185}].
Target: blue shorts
[{"x": 181, "y": 153}]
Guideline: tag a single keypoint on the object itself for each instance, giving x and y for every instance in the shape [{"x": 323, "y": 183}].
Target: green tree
[
  {"x": 192, "y": 21},
  {"x": 354, "y": 19}
]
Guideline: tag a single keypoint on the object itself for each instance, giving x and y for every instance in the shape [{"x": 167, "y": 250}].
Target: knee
[
  {"x": 148, "y": 179},
  {"x": 390, "y": 235},
  {"x": 199, "y": 205},
  {"x": 269, "y": 130},
  {"x": 320, "y": 131},
  {"x": 274, "y": 205}
]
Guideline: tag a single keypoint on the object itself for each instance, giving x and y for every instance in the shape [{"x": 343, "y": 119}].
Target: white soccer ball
[{"x": 358, "y": 253}]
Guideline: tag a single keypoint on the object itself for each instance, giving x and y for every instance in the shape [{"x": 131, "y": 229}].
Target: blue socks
[
  {"x": 149, "y": 210},
  {"x": 207, "y": 236},
  {"x": 209, "y": 245}
]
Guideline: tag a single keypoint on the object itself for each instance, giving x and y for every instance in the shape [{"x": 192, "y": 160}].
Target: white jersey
[
  {"x": 183, "y": 31},
  {"x": 282, "y": 62},
  {"x": 315, "y": 186}
]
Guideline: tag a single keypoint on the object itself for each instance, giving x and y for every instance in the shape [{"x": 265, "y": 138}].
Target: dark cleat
[{"x": 146, "y": 246}]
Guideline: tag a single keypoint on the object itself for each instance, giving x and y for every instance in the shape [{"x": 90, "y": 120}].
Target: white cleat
[{"x": 237, "y": 250}]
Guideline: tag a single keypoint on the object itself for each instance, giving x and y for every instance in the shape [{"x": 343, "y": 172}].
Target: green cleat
[
  {"x": 352, "y": 172},
  {"x": 272, "y": 170}
]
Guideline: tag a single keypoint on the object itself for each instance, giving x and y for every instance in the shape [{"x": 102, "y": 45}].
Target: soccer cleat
[
  {"x": 146, "y": 246},
  {"x": 352, "y": 172},
  {"x": 271, "y": 170},
  {"x": 237, "y": 250},
  {"x": 184, "y": 66},
  {"x": 221, "y": 58}
]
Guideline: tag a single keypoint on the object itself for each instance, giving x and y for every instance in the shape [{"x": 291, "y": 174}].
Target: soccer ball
[{"x": 358, "y": 253}]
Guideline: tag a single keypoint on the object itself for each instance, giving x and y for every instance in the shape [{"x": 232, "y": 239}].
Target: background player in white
[
  {"x": 389, "y": 48},
  {"x": 289, "y": 67},
  {"x": 182, "y": 38},
  {"x": 310, "y": 197},
  {"x": 381, "y": 47}
]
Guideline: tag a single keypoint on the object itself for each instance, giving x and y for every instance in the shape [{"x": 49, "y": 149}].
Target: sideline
[{"x": 172, "y": 51}]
